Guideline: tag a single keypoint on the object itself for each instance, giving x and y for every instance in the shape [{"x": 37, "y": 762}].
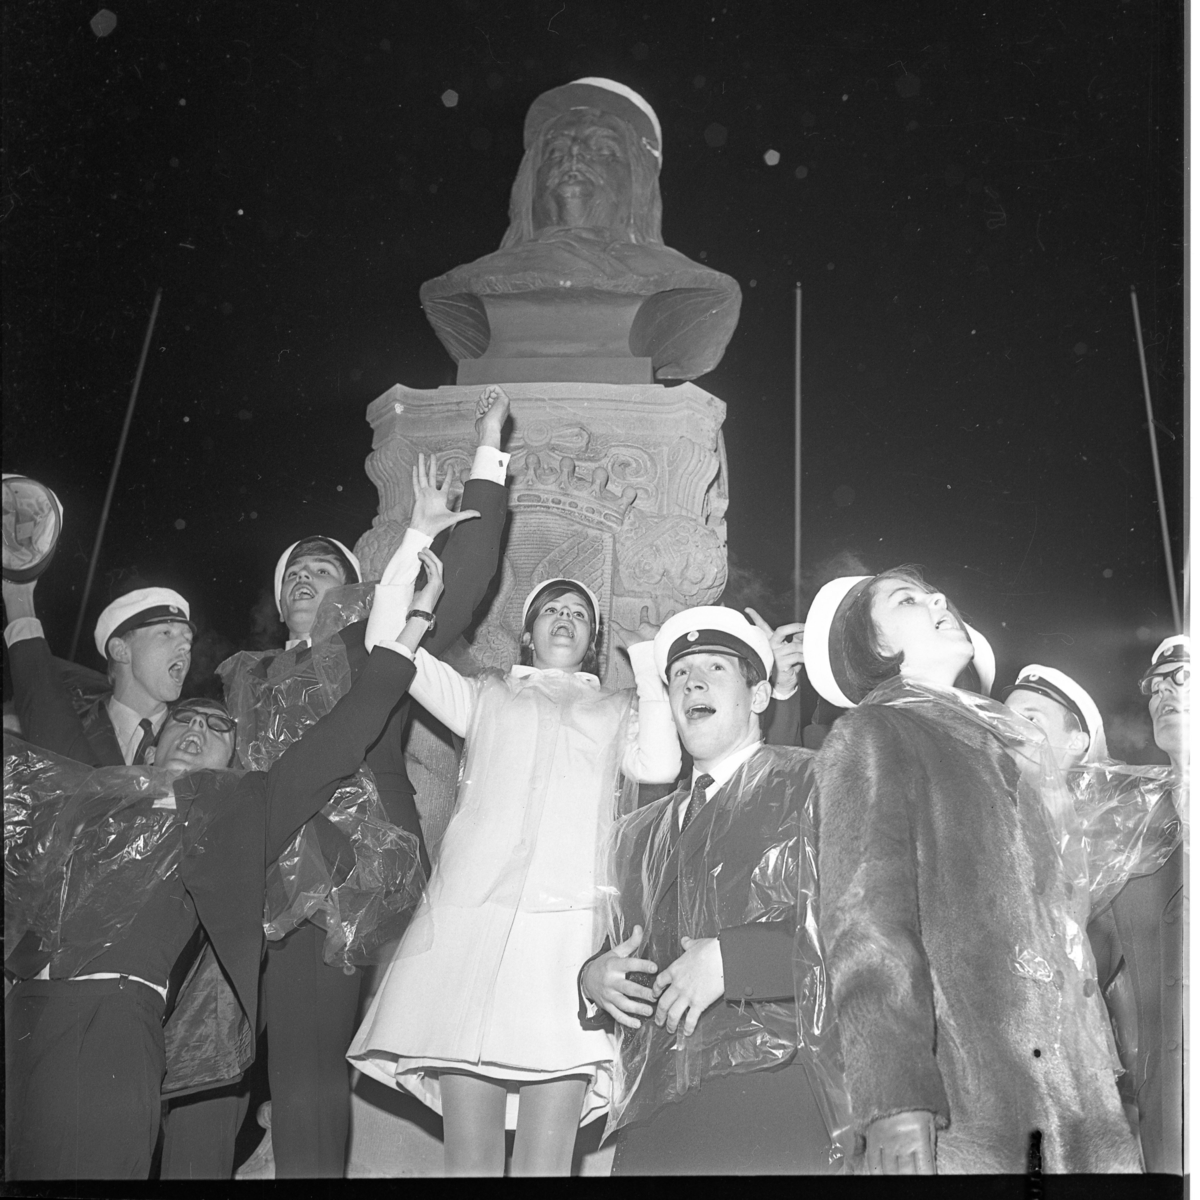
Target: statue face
[{"x": 584, "y": 177}]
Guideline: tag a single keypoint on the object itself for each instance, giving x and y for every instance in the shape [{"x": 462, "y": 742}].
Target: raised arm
[
  {"x": 308, "y": 772},
  {"x": 48, "y": 718},
  {"x": 472, "y": 552},
  {"x": 444, "y": 693},
  {"x": 652, "y": 752}
]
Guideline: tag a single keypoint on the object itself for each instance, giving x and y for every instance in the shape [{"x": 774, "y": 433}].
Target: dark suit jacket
[
  {"x": 1139, "y": 947},
  {"x": 224, "y": 863},
  {"x": 736, "y": 831},
  {"x": 48, "y": 717}
]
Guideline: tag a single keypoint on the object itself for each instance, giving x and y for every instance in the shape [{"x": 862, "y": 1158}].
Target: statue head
[{"x": 592, "y": 157}]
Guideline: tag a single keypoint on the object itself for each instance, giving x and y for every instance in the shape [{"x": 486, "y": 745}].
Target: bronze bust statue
[{"x": 582, "y": 287}]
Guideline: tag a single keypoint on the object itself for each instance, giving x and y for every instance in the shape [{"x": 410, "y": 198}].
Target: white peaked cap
[
  {"x": 1172, "y": 650},
  {"x": 1062, "y": 689},
  {"x": 823, "y": 659},
  {"x": 143, "y": 606},
  {"x": 575, "y": 585},
  {"x": 635, "y": 99},
  {"x": 281, "y": 565},
  {"x": 711, "y": 629}
]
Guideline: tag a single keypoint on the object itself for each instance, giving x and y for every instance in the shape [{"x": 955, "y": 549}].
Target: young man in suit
[
  {"x": 310, "y": 1008},
  {"x": 85, "y": 1046},
  {"x": 145, "y": 637},
  {"x": 1140, "y": 941},
  {"x": 708, "y": 940}
]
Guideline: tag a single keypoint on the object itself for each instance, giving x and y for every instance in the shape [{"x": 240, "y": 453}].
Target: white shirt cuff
[
  {"x": 778, "y": 693},
  {"x": 22, "y": 629},
  {"x": 490, "y": 464}
]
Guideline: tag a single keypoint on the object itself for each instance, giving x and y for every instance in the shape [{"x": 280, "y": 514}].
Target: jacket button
[
  {"x": 1172, "y": 1045},
  {"x": 747, "y": 991}
]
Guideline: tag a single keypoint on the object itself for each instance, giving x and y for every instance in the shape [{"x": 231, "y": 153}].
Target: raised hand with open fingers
[{"x": 431, "y": 505}]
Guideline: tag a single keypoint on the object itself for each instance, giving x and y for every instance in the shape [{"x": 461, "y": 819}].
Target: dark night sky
[{"x": 966, "y": 193}]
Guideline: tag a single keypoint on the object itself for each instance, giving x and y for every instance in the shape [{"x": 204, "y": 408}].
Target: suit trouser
[
  {"x": 200, "y": 1134},
  {"x": 84, "y": 1064},
  {"x": 761, "y": 1122},
  {"x": 311, "y": 1011}
]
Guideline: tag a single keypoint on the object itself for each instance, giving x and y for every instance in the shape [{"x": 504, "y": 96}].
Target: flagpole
[
  {"x": 112, "y": 479},
  {"x": 799, "y": 615},
  {"x": 1162, "y": 504}
]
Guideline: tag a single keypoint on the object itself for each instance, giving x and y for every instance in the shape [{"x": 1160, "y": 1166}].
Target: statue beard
[{"x": 601, "y": 209}]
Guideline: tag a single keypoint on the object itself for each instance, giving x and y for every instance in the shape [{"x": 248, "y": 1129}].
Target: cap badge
[{"x": 693, "y": 635}]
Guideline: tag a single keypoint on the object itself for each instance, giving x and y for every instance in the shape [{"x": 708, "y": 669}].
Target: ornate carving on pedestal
[{"x": 620, "y": 485}]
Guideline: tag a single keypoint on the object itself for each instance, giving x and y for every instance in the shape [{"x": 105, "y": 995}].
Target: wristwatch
[{"x": 425, "y": 616}]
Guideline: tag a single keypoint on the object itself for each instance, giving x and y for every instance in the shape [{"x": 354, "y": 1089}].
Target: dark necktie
[
  {"x": 696, "y": 801},
  {"x": 147, "y": 728}
]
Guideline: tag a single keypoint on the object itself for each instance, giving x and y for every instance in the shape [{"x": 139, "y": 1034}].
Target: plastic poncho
[
  {"x": 84, "y": 849},
  {"x": 767, "y": 805},
  {"x": 1128, "y": 824},
  {"x": 359, "y": 880}
]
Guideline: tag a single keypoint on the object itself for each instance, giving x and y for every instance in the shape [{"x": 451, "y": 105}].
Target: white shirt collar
[
  {"x": 521, "y": 672},
  {"x": 127, "y": 724},
  {"x": 721, "y": 774},
  {"x": 292, "y": 643}
]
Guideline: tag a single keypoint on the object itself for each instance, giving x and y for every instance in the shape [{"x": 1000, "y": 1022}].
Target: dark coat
[
  {"x": 224, "y": 867},
  {"x": 1139, "y": 943},
  {"x": 943, "y": 914},
  {"x": 732, "y": 874},
  {"x": 48, "y": 716}
]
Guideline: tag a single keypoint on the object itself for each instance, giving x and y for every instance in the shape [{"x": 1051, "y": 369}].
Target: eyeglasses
[
  {"x": 217, "y": 722},
  {"x": 1153, "y": 683}
]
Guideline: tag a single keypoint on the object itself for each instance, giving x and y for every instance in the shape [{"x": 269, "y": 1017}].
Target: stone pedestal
[{"x": 623, "y": 486}]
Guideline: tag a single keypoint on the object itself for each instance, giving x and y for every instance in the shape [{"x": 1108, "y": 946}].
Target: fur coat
[{"x": 961, "y": 984}]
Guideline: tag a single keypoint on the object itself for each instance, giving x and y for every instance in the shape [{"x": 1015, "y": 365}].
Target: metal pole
[
  {"x": 112, "y": 479},
  {"x": 1162, "y": 504},
  {"x": 796, "y": 465}
]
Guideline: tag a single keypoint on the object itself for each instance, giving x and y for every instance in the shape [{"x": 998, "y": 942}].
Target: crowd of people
[{"x": 949, "y": 938}]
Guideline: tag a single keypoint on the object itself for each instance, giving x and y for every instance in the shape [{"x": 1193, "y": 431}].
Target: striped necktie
[
  {"x": 695, "y": 800},
  {"x": 147, "y": 728}
]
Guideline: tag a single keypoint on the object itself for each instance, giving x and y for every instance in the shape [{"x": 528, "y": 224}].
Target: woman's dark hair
[
  {"x": 866, "y": 664},
  {"x": 591, "y": 660}
]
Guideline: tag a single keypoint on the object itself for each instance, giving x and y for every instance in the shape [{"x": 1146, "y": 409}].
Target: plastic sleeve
[
  {"x": 22, "y": 629},
  {"x": 309, "y": 770},
  {"x": 652, "y": 750},
  {"x": 443, "y": 692}
]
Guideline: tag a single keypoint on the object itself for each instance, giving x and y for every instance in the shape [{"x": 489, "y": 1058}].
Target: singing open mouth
[
  {"x": 304, "y": 591},
  {"x": 698, "y": 712}
]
